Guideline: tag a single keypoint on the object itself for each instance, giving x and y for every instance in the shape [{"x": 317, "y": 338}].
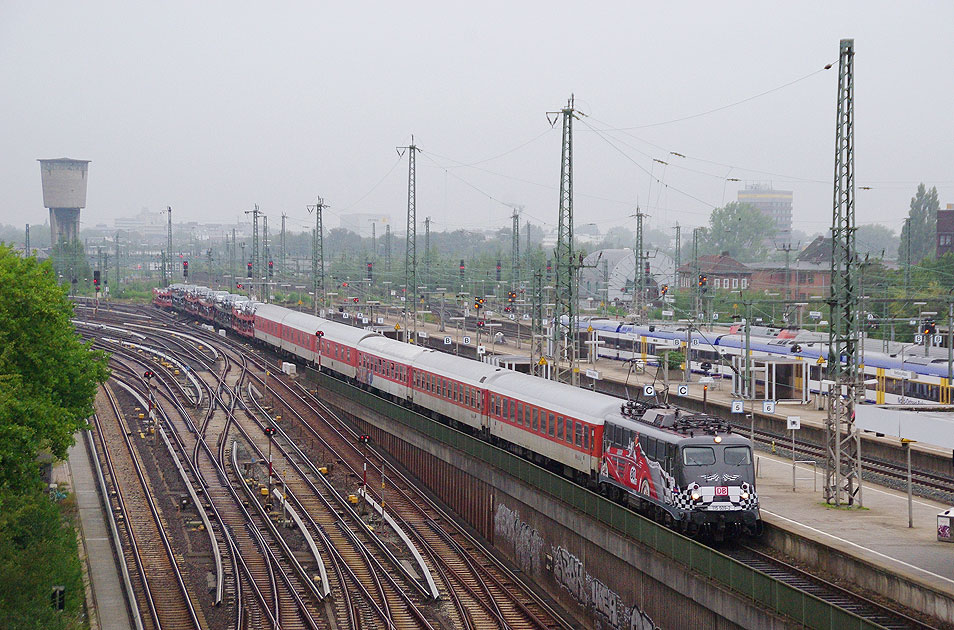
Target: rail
[{"x": 804, "y": 608}]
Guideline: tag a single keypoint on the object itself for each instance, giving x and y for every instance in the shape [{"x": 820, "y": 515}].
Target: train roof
[
  {"x": 342, "y": 333},
  {"x": 458, "y": 368},
  {"x": 392, "y": 349},
  {"x": 271, "y": 312},
  {"x": 559, "y": 397}
]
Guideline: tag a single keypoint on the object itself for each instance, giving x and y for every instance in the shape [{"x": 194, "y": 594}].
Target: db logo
[{"x": 722, "y": 491}]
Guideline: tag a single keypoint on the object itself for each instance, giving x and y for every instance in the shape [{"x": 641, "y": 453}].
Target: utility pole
[
  {"x": 605, "y": 286},
  {"x": 907, "y": 255},
  {"x": 387, "y": 247},
  {"x": 678, "y": 258},
  {"x": 527, "y": 254},
  {"x": 787, "y": 248},
  {"x": 26, "y": 243},
  {"x": 564, "y": 335},
  {"x": 515, "y": 249},
  {"x": 374, "y": 239},
  {"x": 318, "y": 255},
  {"x": 232, "y": 263},
  {"x": 265, "y": 258},
  {"x": 255, "y": 264},
  {"x": 119, "y": 267},
  {"x": 282, "y": 268},
  {"x": 697, "y": 271},
  {"x": 168, "y": 245},
  {"x": 842, "y": 462},
  {"x": 536, "y": 322},
  {"x": 410, "y": 248},
  {"x": 427, "y": 252},
  {"x": 208, "y": 254}
]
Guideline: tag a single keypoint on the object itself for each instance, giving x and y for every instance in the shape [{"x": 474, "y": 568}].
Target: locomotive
[{"x": 687, "y": 471}]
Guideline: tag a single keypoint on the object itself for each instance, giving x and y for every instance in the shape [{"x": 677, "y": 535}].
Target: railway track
[
  {"x": 483, "y": 590},
  {"x": 860, "y": 605},
  {"x": 148, "y": 549},
  {"x": 478, "y": 596}
]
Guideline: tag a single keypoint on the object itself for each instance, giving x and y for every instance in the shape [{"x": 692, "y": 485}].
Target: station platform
[
  {"x": 718, "y": 395},
  {"x": 105, "y": 593}
]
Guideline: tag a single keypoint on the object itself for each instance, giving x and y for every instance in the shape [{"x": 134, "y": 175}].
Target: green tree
[
  {"x": 37, "y": 551},
  {"x": 737, "y": 228},
  {"x": 921, "y": 225},
  {"x": 48, "y": 377}
]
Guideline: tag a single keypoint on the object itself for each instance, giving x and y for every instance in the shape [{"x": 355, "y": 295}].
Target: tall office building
[{"x": 774, "y": 204}]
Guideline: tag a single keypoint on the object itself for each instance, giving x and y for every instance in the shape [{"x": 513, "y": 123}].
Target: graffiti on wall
[
  {"x": 569, "y": 572},
  {"x": 527, "y": 543}
]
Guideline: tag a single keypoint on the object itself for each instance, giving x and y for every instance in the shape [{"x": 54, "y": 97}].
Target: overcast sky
[{"x": 211, "y": 107}]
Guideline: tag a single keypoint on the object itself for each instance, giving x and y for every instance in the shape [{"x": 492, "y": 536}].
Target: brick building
[{"x": 945, "y": 230}]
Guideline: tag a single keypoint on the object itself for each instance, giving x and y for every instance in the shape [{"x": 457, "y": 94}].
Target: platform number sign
[
  {"x": 919, "y": 338},
  {"x": 649, "y": 391},
  {"x": 938, "y": 340},
  {"x": 768, "y": 406},
  {"x": 682, "y": 390},
  {"x": 380, "y": 320},
  {"x": 447, "y": 341},
  {"x": 481, "y": 350},
  {"x": 466, "y": 340},
  {"x": 738, "y": 406},
  {"x": 794, "y": 423}
]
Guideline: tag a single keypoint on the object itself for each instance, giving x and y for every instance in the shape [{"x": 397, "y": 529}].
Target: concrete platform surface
[
  {"x": 878, "y": 533},
  {"x": 109, "y": 596}
]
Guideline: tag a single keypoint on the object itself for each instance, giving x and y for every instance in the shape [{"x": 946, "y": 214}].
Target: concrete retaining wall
[
  {"x": 864, "y": 572},
  {"x": 604, "y": 579}
]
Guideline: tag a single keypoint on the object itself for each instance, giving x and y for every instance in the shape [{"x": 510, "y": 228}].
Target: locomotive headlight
[
  {"x": 695, "y": 495},
  {"x": 744, "y": 495},
  {"x": 717, "y": 439}
]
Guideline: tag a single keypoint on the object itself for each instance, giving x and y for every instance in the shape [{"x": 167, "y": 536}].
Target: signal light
[
  {"x": 478, "y": 303},
  {"x": 344, "y": 284},
  {"x": 511, "y": 296},
  {"x": 249, "y": 266},
  {"x": 355, "y": 300},
  {"x": 96, "y": 279},
  {"x": 185, "y": 268},
  {"x": 480, "y": 323},
  {"x": 665, "y": 289},
  {"x": 929, "y": 328},
  {"x": 269, "y": 431},
  {"x": 320, "y": 334},
  {"x": 271, "y": 268},
  {"x": 370, "y": 268},
  {"x": 364, "y": 438}
]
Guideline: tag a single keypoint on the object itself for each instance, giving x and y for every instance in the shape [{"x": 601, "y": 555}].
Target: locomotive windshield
[
  {"x": 698, "y": 456},
  {"x": 737, "y": 456}
]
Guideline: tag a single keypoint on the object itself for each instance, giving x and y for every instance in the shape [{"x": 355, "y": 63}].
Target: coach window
[
  {"x": 535, "y": 414},
  {"x": 559, "y": 433},
  {"x": 520, "y": 413},
  {"x": 586, "y": 437},
  {"x": 550, "y": 425},
  {"x": 698, "y": 456}
]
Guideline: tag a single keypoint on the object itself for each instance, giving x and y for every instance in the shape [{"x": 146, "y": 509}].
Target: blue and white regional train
[
  {"x": 902, "y": 375},
  {"x": 686, "y": 470}
]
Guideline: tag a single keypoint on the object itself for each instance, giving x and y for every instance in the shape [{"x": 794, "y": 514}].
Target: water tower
[{"x": 64, "y": 193}]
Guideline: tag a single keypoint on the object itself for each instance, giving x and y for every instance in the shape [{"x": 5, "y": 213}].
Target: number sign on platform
[
  {"x": 649, "y": 391},
  {"x": 738, "y": 406},
  {"x": 682, "y": 390},
  {"x": 447, "y": 341},
  {"x": 768, "y": 406}
]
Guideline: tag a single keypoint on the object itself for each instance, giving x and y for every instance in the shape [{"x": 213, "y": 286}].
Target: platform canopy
[{"x": 932, "y": 424}]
